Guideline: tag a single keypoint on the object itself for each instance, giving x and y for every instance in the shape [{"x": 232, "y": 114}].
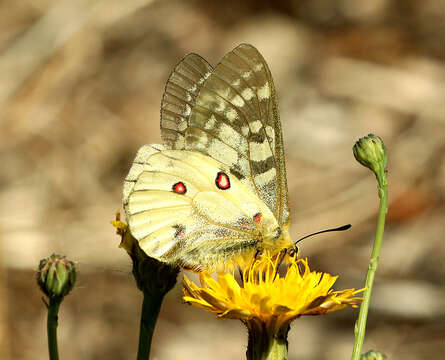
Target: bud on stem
[
  {"x": 370, "y": 151},
  {"x": 56, "y": 276},
  {"x": 373, "y": 355}
]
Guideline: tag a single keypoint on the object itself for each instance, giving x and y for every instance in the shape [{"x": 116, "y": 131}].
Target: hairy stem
[
  {"x": 52, "y": 322},
  {"x": 360, "y": 325}
]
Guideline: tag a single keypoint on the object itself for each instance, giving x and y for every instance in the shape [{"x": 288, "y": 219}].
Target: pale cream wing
[
  {"x": 235, "y": 120},
  {"x": 178, "y": 214}
]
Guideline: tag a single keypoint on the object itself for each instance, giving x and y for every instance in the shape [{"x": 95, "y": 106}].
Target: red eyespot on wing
[
  {"x": 179, "y": 188},
  {"x": 179, "y": 231},
  {"x": 222, "y": 181},
  {"x": 257, "y": 218}
]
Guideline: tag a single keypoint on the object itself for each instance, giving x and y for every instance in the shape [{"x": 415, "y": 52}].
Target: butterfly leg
[{"x": 282, "y": 256}]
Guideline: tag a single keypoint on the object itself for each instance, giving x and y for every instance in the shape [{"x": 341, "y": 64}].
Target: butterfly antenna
[
  {"x": 341, "y": 228},
  {"x": 294, "y": 250}
]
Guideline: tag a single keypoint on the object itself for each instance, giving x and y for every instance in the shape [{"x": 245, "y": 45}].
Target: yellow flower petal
[{"x": 268, "y": 297}]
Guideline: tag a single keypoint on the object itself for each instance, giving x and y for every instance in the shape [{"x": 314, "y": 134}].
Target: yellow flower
[
  {"x": 267, "y": 302},
  {"x": 265, "y": 296}
]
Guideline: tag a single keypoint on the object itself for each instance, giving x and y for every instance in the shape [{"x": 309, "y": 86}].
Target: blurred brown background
[{"x": 80, "y": 91}]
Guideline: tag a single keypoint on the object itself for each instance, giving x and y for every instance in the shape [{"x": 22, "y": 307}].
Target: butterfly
[{"x": 215, "y": 191}]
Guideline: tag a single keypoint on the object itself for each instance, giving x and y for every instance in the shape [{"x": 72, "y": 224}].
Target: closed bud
[
  {"x": 370, "y": 151},
  {"x": 56, "y": 276},
  {"x": 373, "y": 355}
]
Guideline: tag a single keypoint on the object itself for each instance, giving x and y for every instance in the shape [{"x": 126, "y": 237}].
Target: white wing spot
[
  {"x": 245, "y": 130},
  {"x": 259, "y": 152},
  {"x": 246, "y": 74},
  {"x": 270, "y": 131},
  {"x": 231, "y": 115},
  {"x": 210, "y": 124},
  {"x": 255, "y": 126},
  {"x": 264, "y": 178},
  {"x": 188, "y": 110},
  {"x": 238, "y": 101},
  {"x": 247, "y": 94},
  {"x": 258, "y": 67},
  {"x": 237, "y": 82},
  {"x": 221, "y": 105},
  {"x": 182, "y": 126},
  {"x": 231, "y": 136},
  {"x": 204, "y": 78},
  {"x": 264, "y": 92}
]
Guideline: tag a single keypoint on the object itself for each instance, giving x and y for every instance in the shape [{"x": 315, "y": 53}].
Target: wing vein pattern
[{"x": 234, "y": 119}]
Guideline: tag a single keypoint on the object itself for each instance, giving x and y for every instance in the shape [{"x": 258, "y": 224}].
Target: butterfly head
[{"x": 274, "y": 236}]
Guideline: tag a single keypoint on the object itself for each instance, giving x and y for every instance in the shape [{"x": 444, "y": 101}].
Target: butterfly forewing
[
  {"x": 179, "y": 98},
  {"x": 235, "y": 120}
]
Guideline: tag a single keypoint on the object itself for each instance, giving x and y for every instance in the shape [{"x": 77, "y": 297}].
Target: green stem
[
  {"x": 360, "y": 325},
  {"x": 151, "y": 306},
  {"x": 52, "y": 322},
  {"x": 266, "y": 342}
]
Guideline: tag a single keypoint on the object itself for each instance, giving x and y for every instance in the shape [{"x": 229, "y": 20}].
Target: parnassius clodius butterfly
[{"x": 216, "y": 190}]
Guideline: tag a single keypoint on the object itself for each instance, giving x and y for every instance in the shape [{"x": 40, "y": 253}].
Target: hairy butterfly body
[{"x": 216, "y": 190}]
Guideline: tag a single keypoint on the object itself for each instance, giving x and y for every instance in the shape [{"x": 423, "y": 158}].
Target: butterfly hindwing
[{"x": 183, "y": 207}]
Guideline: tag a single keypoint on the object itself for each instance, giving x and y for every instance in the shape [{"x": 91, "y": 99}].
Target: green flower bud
[
  {"x": 370, "y": 151},
  {"x": 56, "y": 276},
  {"x": 373, "y": 355}
]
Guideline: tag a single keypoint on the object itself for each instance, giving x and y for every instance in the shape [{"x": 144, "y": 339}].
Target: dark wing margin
[
  {"x": 270, "y": 118},
  {"x": 180, "y": 94},
  {"x": 235, "y": 120}
]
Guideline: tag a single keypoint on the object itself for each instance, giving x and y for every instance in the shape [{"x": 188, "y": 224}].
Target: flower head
[{"x": 268, "y": 298}]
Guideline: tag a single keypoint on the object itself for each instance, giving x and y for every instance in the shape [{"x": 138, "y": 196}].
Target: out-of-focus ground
[{"x": 80, "y": 90}]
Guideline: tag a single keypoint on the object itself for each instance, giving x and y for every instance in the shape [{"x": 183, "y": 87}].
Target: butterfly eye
[
  {"x": 222, "y": 181},
  {"x": 179, "y": 188},
  {"x": 293, "y": 251}
]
